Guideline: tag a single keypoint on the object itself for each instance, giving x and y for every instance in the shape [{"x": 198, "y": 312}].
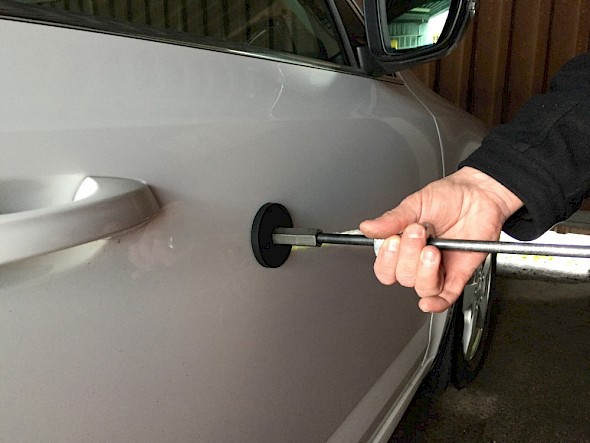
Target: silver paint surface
[{"x": 173, "y": 332}]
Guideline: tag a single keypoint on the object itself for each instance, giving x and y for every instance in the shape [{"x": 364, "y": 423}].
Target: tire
[
  {"x": 453, "y": 364},
  {"x": 461, "y": 353},
  {"x": 474, "y": 320}
]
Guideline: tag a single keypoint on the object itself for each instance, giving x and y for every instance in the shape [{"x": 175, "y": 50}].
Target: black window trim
[{"x": 342, "y": 34}]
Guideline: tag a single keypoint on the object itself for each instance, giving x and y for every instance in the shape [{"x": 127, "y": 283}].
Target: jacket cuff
[{"x": 528, "y": 180}]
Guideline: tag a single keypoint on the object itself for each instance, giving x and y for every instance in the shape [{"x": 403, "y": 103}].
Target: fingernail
[
  {"x": 415, "y": 232},
  {"x": 428, "y": 257},
  {"x": 393, "y": 244}
]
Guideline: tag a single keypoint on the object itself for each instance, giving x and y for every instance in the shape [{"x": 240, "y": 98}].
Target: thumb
[{"x": 392, "y": 222}]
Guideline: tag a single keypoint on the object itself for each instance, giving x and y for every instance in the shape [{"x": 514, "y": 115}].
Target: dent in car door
[{"x": 173, "y": 332}]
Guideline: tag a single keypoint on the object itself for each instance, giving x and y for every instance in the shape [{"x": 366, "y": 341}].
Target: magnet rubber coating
[{"x": 269, "y": 217}]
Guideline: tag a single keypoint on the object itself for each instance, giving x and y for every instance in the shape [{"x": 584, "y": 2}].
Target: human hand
[{"x": 465, "y": 205}]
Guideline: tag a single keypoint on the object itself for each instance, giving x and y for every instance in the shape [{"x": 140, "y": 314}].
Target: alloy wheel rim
[{"x": 476, "y": 298}]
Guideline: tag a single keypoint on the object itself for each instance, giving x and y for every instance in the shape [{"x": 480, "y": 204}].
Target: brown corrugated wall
[{"x": 510, "y": 52}]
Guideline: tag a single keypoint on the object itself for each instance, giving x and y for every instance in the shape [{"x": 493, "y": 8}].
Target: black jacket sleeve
[{"x": 543, "y": 154}]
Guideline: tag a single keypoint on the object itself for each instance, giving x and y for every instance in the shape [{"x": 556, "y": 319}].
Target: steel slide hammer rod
[{"x": 315, "y": 237}]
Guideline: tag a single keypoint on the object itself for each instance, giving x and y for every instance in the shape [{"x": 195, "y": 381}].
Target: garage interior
[{"x": 534, "y": 385}]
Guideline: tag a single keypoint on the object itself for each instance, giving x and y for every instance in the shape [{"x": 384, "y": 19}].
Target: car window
[{"x": 300, "y": 27}]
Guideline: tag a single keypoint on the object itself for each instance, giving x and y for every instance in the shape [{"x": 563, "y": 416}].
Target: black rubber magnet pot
[{"x": 267, "y": 219}]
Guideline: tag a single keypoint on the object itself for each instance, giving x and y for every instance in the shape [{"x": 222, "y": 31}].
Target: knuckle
[
  {"x": 384, "y": 274},
  {"x": 385, "y": 278},
  {"x": 406, "y": 279},
  {"x": 428, "y": 290}
]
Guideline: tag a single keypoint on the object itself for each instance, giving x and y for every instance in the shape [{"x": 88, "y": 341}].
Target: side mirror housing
[{"x": 403, "y": 33}]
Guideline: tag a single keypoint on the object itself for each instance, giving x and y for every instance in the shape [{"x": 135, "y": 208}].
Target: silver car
[{"x": 138, "y": 140}]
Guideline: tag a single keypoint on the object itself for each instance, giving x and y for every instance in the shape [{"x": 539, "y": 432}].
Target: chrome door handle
[{"x": 102, "y": 207}]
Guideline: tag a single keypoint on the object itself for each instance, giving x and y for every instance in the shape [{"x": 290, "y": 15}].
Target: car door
[{"x": 172, "y": 331}]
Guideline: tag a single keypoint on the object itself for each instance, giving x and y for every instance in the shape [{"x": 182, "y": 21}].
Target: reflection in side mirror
[
  {"x": 421, "y": 25},
  {"x": 403, "y": 33}
]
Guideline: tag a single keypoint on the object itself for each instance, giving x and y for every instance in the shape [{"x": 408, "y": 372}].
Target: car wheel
[{"x": 474, "y": 313}]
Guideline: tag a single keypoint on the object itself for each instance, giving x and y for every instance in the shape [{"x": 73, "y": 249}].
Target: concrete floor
[{"x": 535, "y": 384}]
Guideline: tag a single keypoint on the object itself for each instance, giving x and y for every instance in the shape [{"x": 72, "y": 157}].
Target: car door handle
[{"x": 101, "y": 207}]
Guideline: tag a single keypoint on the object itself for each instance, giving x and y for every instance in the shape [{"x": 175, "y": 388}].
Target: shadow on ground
[{"x": 535, "y": 385}]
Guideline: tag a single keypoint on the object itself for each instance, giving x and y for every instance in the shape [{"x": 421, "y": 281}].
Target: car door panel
[{"x": 173, "y": 332}]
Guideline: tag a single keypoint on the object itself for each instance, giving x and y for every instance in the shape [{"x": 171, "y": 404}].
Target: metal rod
[
  {"x": 471, "y": 246},
  {"x": 512, "y": 248},
  {"x": 344, "y": 239}
]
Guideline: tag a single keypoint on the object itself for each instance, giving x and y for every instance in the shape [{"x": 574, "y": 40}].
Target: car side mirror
[{"x": 403, "y": 33}]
